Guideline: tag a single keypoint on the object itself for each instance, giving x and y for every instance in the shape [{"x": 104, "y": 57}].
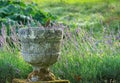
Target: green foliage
[
  {"x": 85, "y": 13},
  {"x": 17, "y": 11},
  {"x": 86, "y": 59},
  {"x": 11, "y": 66}
]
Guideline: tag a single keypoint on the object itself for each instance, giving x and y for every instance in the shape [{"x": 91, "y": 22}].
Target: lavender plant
[{"x": 85, "y": 57}]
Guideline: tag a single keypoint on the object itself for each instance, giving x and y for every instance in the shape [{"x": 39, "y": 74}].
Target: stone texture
[
  {"x": 41, "y": 48},
  {"x": 42, "y": 75},
  {"x": 24, "y": 81}
]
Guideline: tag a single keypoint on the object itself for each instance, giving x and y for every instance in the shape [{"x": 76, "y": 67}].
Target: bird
[{"x": 47, "y": 22}]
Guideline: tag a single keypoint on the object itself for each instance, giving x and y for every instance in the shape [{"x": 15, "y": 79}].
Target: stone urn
[{"x": 40, "y": 47}]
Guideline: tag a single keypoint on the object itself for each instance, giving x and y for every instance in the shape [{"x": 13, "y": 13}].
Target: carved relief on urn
[{"x": 41, "y": 48}]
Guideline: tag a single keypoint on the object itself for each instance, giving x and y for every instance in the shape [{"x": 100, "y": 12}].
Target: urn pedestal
[
  {"x": 55, "y": 81},
  {"x": 41, "y": 48}
]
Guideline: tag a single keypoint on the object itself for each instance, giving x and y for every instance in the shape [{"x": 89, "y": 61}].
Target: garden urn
[{"x": 40, "y": 47}]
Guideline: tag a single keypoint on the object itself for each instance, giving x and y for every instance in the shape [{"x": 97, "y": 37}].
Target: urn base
[
  {"x": 25, "y": 81},
  {"x": 41, "y": 74}
]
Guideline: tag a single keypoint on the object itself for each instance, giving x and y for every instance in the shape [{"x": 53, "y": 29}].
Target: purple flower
[
  {"x": 17, "y": 71},
  {"x": 76, "y": 43},
  {"x": 2, "y": 41},
  {"x": 77, "y": 31},
  {"x": 118, "y": 36},
  {"x": 13, "y": 34},
  {"x": 3, "y": 31}
]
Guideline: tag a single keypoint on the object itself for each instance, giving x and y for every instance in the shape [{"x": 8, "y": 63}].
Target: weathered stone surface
[
  {"x": 42, "y": 75},
  {"x": 40, "y": 47},
  {"x": 24, "y": 81}
]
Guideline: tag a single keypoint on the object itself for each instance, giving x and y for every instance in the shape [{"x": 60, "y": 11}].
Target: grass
[
  {"x": 85, "y": 14},
  {"x": 86, "y": 59},
  {"x": 91, "y": 47},
  {"x": 12, "y": 65}
]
